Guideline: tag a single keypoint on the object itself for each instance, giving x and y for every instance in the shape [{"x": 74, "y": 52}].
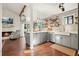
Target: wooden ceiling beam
[{"x": 22, "y": 10}]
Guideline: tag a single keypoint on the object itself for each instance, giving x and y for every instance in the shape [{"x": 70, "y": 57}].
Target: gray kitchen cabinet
[
  {"x": 27, "y": 38},
  {"x": 48, "y": 37},
  {"x": 74, "y": 41},
  {"x": 58, "y": 39},
  {"x": 36, "y": 38},
  {"x": 52, "y": 37},
  {"x": 65, "y": 40},
  {"x": 39, "y": 38},
  {"x": 43, "y": 37},
  {"x": 62, "y": 39}
]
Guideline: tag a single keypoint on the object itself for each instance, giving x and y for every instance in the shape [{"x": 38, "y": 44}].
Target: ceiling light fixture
[{"x": 61, "y": 6}]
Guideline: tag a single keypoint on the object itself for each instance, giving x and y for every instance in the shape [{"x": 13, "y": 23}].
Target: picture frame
[{"x": 7, "y": 20}]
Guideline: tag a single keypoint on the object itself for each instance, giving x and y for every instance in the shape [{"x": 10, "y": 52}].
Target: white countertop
[
  {"x": 61, "y": 33},
  {"x": 37, "y": 32}
]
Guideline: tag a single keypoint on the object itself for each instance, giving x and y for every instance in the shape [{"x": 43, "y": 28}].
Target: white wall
[
  {"x": 72, "y": 28},
  {"x": 44, "y": 10},
  {"x": 16, "y": 19},
  {"x": 0, "y": 29}
]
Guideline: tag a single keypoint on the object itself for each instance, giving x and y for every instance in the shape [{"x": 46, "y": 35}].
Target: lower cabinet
[
  {"x": 74, "y": 41},
  {"x": 27, "y": 37},
  {"x": 52, "y": 37},
  {"x": 65, "y": 40},
  {"x": 58, "y": 39},
  {"x": 43, "y": 37},
  {"x": 36, "y": 39},
  {"x": 39, "y": 38}
]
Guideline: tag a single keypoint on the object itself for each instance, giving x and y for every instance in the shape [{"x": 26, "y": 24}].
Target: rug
[
  {"x": 65, "y": 50},
  {"x": 27, "y": 51}
]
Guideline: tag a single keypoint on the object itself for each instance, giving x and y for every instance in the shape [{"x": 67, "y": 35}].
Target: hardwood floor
[
  {"x": 14, "y": 48},
  {"x": 46, "y": 50},
  {"x": 18, "y": 48}
]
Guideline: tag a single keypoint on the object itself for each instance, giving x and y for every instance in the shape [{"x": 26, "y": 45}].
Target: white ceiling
[
  {"x": 48, "y": 9},
  {"x": 15, "y": 7},
  {"x": 41, "y": 9}
]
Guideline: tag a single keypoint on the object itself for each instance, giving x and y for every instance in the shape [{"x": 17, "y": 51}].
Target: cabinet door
[
  {"x": 74, "y": 41},
  {"x": 27, "y": 38},
  {"x": 42, "y": 37},
  {"x": 45, "y": 36},
  {"x": 39, "y": 38},
  {"x": 51, "y": 37},
  {"x": 58, "y": 39},
  {"x": 65, "y": 40},
  {"x": 36, "y": 38}
]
